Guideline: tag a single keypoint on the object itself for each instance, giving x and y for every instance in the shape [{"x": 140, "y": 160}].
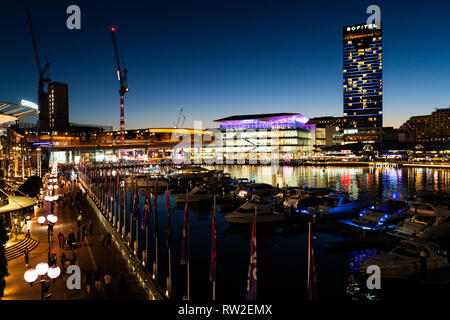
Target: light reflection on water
[
  {"x": 285, "y": 247},
  {"x": 360, "y": 182}
]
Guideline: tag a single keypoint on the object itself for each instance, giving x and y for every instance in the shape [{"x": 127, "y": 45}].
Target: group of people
[{"x": 98, "y": 280}]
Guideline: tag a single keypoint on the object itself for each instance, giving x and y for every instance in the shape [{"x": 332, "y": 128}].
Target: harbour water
[{"x": 282, "y": 248}]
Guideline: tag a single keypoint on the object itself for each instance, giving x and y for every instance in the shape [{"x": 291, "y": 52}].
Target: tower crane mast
[
  {"x": 43, "y": 78},
  {"x": 122, "y": 76}
]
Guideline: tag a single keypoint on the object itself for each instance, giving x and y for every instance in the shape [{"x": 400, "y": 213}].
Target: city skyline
[{"x": 278, "y": 57}]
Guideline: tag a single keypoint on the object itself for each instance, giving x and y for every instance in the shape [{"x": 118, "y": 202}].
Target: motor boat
[
  {"x": 143, "y": 181},
  {"x": 247, "y": 190},
  {"x": 428, "y": 221},
  {"x": 404, "y": 260},
  {"x": 382, "y": 216},
  {"x": 291, "y": 196},
  {"x": 198, "y": 193},
  {"x": 264, "y": 212},
  {"x": 336, "y": 206},
  {"x": 189, "y": 172}
]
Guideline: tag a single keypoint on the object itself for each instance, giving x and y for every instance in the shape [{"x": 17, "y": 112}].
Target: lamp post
[
  {"x": 52, "y": 219},
  {"x": 41, "y": 269}
]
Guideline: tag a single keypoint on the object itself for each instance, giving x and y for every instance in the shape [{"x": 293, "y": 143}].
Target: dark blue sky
[{"x": 219, "y": 58}]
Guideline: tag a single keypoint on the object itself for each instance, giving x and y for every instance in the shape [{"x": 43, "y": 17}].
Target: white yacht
[
  {"x": 405, "y": 259},
  {"x": 428, "y": 221},
  {"x": 246, "y": 212}
]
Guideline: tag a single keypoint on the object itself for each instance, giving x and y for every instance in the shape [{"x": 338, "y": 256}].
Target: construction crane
[
  {"x": 43, "y": 112},
  {"x": 178, "y": 120},
  {"x": 122, "y": 76}
]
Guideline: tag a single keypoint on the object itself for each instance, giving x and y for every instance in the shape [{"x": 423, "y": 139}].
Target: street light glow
[
  {"x": 54, "y": 272},
  {"x": 30, "y": 275},
  {"x": 42, "y": 268}
]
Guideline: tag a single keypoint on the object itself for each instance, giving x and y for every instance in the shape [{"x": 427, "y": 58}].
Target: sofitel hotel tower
[{"x": 363, "y": 83}]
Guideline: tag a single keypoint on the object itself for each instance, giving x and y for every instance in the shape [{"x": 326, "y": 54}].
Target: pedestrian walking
[
  {"x": 73, "y": 257},
  {"x": 61, "y": 240},
  {"x": 91, "y": 227},
  {"x": 63, "y": 259},
  {"x": 98, "y": 280},
  {"x": 108, "y": 239},
  {"x": 88, "y": 282},
  {"x": 53, "y": 261},
  {"x": 108, "y": 279},
  {"x": 102, "y": 239},
  {"x": 26, "y": 253}
]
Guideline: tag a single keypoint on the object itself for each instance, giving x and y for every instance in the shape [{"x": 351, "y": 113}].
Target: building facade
[
  {"x": 58, "y": 105},
  {"x": 433, "y": 127},
  {"x": 363, "y": 83},
  {"x": 257, "y": 138}
]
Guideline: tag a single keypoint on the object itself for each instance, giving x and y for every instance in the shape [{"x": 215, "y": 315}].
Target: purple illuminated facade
[
  {"x": 246, "y": 135},
  {"x": 264, "y": 121}
]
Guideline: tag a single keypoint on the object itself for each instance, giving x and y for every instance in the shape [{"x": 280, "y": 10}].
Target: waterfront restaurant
[{"x": 257, "y": 136}]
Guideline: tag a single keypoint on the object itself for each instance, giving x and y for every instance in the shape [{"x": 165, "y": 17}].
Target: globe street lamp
[
  {"x": 52, "y": 219},
  {"x": 41, "y": 269}
]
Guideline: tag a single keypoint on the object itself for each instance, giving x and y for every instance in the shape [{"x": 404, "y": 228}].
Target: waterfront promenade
[{"x": 91, "y": 256}]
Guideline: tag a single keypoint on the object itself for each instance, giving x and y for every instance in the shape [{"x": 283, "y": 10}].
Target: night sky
[{"x": 220, "y": 58}]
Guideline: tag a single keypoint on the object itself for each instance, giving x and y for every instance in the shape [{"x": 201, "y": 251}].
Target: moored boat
[
  {"x": 246, "y": 212},
  {"x": 382, "y": 216},
  {"x": 405, "y": 259}
]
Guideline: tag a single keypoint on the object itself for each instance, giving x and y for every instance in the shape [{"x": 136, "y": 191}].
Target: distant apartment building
[
  {"x": 363, "y": 84},
  {"x": 433, "y": 127},
  {"x": 58, "y": 105}
]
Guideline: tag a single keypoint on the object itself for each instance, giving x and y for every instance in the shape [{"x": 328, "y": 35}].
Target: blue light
[{"x": 395, "y": 195}]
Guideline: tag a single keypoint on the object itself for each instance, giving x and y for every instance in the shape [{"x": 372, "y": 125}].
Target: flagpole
[
  {"x": 155, "y": 272},
  {"x": 308, "y": 284},
  {"x": 169, "y": 278},
  {"x": 130, "y": 216},
  {"x": 187, "y": 256},
  {"x": 214, "y": 221},
  {"x": 146, "y": 230}
]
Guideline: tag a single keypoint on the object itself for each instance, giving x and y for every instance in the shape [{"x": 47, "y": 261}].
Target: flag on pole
[
  {"x": 110, "y": 182},
  {"x": 124, "y": 197},
  {"x": 147, "y": 209},
  {"x": 168, "y": 217},
  {"x": 155, "y": 211},
  {"x": 312, "y": 272},
  {"x": 212, "y": 265},
  {"x": 105, "y": 186},
  {"x": 252, "y": 268},
  {"x": 136, "y": 203},
  {"x": 184, "y": 244}
]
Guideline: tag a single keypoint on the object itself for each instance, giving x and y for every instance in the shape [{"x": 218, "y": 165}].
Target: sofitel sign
[{"x": 362, "y": 27}]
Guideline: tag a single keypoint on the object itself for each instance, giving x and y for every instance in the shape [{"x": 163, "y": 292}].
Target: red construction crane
[
  {"x": 43, "y": 112},
  {"x": 122, "y": 76}
]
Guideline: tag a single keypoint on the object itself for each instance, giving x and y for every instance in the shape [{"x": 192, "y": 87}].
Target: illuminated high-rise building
[{"x": 363, "y": 83}]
